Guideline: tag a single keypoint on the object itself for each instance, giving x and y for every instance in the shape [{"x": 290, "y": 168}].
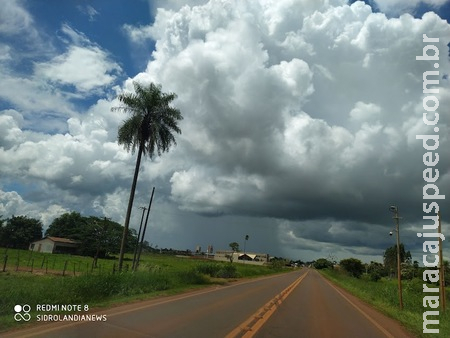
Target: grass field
[
  {"x": 383, "y": 295},
  {"x": 158, "y": 275}
]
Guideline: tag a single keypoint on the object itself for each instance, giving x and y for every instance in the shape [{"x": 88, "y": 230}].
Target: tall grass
[{"x": 383, "y": 295}]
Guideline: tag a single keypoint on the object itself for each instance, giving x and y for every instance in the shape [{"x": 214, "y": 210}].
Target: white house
[{"x": 50, "y": 244}]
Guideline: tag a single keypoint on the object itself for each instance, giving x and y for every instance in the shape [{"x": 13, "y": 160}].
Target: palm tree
[
  {"x": 149, "y": 129},
  {"x": 245, "y": 243}
]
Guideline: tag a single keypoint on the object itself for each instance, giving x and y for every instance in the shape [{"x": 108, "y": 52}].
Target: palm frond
[{"x": 152, "y": 120}]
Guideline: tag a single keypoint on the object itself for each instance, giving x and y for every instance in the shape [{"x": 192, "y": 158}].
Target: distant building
[
  {"x": 50, "y": 244},
  {"x": 240, "y": 257}
]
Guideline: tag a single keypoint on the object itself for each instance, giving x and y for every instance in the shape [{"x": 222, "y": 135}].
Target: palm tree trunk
[{"x": 130, "y": 206}]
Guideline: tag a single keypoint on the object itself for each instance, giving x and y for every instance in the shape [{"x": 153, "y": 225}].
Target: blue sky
[
  {"x": 299, "y": 118},
  {"x": 102, "y": 22}
]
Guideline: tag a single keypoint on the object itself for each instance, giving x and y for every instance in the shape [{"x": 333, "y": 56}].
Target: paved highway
[{"x": 297, "y": 304}]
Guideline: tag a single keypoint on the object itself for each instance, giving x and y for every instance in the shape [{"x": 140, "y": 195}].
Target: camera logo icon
[{"x": 22, "y": 313}]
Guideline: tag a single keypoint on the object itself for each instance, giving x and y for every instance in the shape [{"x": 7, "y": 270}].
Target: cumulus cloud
[
  {"x": 47, "y": 95},
  {"x": 327, "y": 106},
  {"x": 85, "y": 65},
  {"x": 303, "y": 115}
]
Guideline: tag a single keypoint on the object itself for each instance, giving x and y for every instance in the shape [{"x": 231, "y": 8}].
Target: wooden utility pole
[
  {"x": 394, "y": 209},
  {"x": 138, "y": 239},
  {"x": 441, "y": 266},
  {"x": 145, "y": 228},
  {"x": 399, "y": 269}
]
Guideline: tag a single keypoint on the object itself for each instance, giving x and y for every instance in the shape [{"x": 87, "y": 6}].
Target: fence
[{"x": 56, "y": 264}]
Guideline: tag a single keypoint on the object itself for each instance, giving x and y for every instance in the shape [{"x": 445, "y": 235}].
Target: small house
[{"x": 51, "y": 244}]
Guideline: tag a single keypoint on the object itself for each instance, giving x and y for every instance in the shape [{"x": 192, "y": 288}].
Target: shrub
[
  {"x": 353, "y": 266},
  {"x": 210, "y": 269},
  {"x": 227, "y": 271},
  {"x": 375, "y": 276},
  {"x": 323, "y": 263},
  {"x": 192, "y": 277}
]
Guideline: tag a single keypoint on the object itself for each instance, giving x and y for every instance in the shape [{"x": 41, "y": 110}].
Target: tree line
[
  {"x": 97, "y": 237},
  {"x": 375, "y": 270}
]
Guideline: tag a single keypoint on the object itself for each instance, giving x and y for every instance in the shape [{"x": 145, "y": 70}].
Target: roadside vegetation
[
  {"x": 158, "y": 275},
  {"x": 382, "y": 294}
]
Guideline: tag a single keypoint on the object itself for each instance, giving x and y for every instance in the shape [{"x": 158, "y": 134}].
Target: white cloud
[
  {"x": 35, "y": 95},
  {"x": 85, "y": 68},
  {"x": 305, "y": 112},
  {"x": 365, "y": 112},
  {"x": 84, "y": 65},
  {"x": 88, "y": 10},
  {"x": 12, "y": 204},
  {"x": 15, "y": 20},
  {"x": 5, "y": 53},
  {"x": 45, "y": 97}
]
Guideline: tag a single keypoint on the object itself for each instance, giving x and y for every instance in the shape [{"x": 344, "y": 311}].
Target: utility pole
[
  {"x": 441, "y": 266},
  {"x": 138, "y": 238},
  {"x": 145, "y": 228},
  {"x": 394, "y": 209}
]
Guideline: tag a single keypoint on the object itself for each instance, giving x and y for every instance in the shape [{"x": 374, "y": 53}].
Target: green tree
[
  {"x": 2, "y": 235},
  {"x": 234, "y": 246},
  {"x": 390, "y": 257},
  {"x": 323, "y": 263},
  {"x": 98, "y": 237},
  {"x": 353, "y": 266},
  {"x": 19, "y": 231},
  {"x": 69, "y": 225},
  {"x": 149, "y": 129},
  {"x": 376, "y": 271}
]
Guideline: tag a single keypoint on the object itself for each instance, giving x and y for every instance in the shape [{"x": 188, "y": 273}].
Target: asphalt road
[{"x": 297, "y": 304}]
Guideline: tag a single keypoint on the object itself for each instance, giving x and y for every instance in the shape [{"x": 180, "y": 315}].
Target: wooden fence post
[
  {"x": 65, "y": 266},
  {"x": 4, "y": 263}
]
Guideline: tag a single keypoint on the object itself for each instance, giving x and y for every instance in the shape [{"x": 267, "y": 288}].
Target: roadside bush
[
  {"x": 353, "y": 266},
  {"x": 227, "y": 271},
  {"x": 99, "y": 287},
  {"x": 277, "y": 264},
  {"x": 210, "y": 269},
  {"x": 375, "y": 276},
  {"x": 323, "y": 263}
]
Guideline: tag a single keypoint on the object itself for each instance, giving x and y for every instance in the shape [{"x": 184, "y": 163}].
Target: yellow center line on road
[{"x": 250, "y": 326}]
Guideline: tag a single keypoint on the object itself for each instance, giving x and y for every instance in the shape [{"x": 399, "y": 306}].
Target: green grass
[
  {"x": 383, "y": 295},
  {"x": 158, "y": 275}
]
